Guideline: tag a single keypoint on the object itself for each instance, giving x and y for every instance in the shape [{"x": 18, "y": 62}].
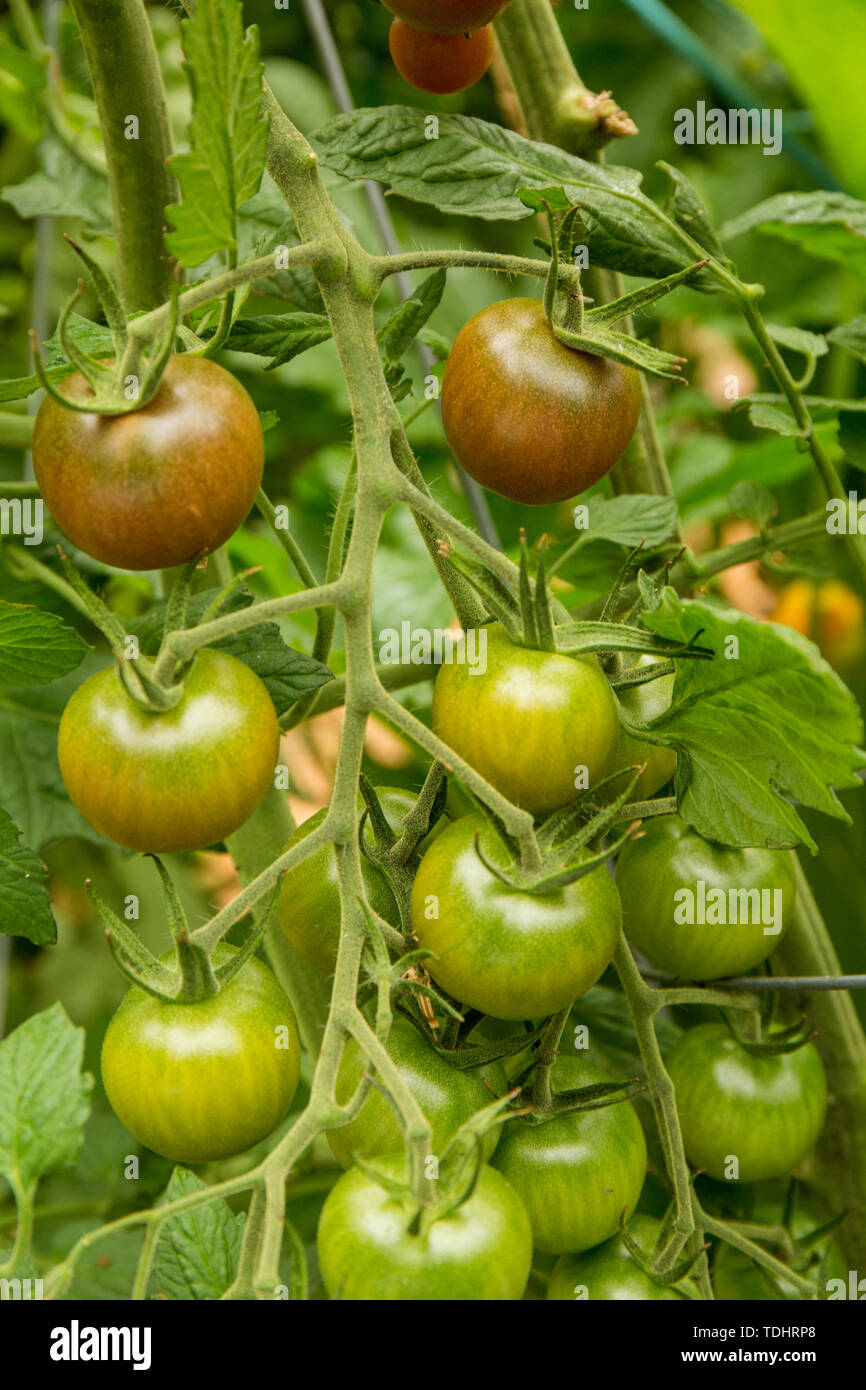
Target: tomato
[
  {"x": 767, "y": 1112},
  {"x": 528, "y": 417},
  {"x": 679, "y": 892},
  {"x": 508, "y": 952},
  {"x": 181, "y": 779},
  {"x": 308, "y": 908},
  {"x": 609, "y": 1273},
  {"x": 539, "y": 726},
  {"x": 736, "y": 1277},
  {"x": 831, "y": 614},
  {"x": 577, "y": 1173},
  {"x": 198, "y": 1082},
  {"x": 157, "y": 486},
  {"x": 447, "y": 16},
  {"x": 642, "y": 704},
  {"x": 447, "y": 1096},
  {"x": 369, "y": 1250},
  {"x": 440, "y": 63}
]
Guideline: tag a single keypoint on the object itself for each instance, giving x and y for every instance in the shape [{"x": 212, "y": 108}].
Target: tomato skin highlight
[
  {"x": 160, "y": 485},
  {"x": 528, "y": 721},
  {"x": 440, "y": 63},
  {"x": 575, "y": 1173},
  {"x": 608, "y": 1272},
  {"x": 510, "y": 953},
  {"x": 768, "y": 1112},
  {"x": 480, "y": 1252},
  {"x": 181, "y": 779},
  {"x": 670, "y": 857},
  {"x": 447, "y": 1096},
  {"x": 446, "y": 16},
  {"x": 528, "y": 417},
  {"x": 200, "y": 1082}
]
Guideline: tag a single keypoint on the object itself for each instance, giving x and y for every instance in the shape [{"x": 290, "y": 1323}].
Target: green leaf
[
  {"x": 400, "y": 330},
  {"x": 25, "y": 905},
  {"x": 798, "y": 340},
  {"x": 687, "y": 210},
  {"x": 197, "y": 1252},
  {"x": 477, "y": 169},
  {"x": 63, "y": 187},
  {"x": 771, "y": 417},
  {"x": 228, "y": 133},
  {"x": 43, "y": 1096},
  {"x": 36, "y": 647},
  {"x": 831, "y": 226},
  {"x": 768, "y": 722},
  {"x": 753, "y": 501},
  {"x": 22, "y": 79},
  {"x": 852, "y": 337},
  {"x": 628, "y": 520},
  {"x": 279, "y": 336}
]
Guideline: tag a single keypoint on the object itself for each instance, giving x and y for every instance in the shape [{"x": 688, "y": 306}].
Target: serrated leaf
[
  {"x": 779, "y": 419},
  {"x": 36, "y": 647},
  {"x": 768, "y": 722},
  {"x": 829, "y": 225},
  {"x": 197, "y": 1252},
  {"x": 228, "y": 133},
  {"x": 852, "y": 337},
  {"x": 25, "y": 905},
  {"x": 63, "y": 187},
  {"x": 629, "y": 519},
  {"x": 478, "y": 169},
  {"x": 400, "y": 330},
  {"x": 43, "y": 1096},
  {"x": 686, "y": 208},
  {"x": 279, "y": 336}
]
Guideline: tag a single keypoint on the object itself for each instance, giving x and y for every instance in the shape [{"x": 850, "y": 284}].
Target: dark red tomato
[
  {"x": 539, "y": 726},
  {"x": 371, "y": 1248},
  {"x": 527, "y": 416},
  {"x": 764, "y": 1112},
  {"x": 608, "y": 1273},
  {"x": 440, "y": 63},
  {"x": 160, "y": 485},
  {"x": 447, "y": 16},
  {"x": 199, "y": 1082},
  {"x": 308, "y": 908},
  {"x": 576, "y": 1174},
  {"x": 507, "y": 951},
  {"x": 448, "y": 1096},
  {"x": 701, "y": 910},
  {"x": 641, "y": 704},
  {"x": 182, "y": 779}
]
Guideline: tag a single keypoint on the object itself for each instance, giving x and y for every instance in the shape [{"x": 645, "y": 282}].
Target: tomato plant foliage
[{"x": 409, "y": 574}]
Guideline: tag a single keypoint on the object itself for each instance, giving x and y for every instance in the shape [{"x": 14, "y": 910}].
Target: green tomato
[
  {"x": 700, "y": 910},
  {"x": 370, "y": 1249},
  {"x": 576, "y": 1173},
  {"x": 182, "y": 779},
  {"x": 529, "y": 722},
  {"x": 198, "y": 1082},
  {"x": 447, "y": 1096},
  {"x": 608, "y": 1273},
  {"x": 308, "y": 908},
  {"x": 504, "y": 951},
  {"x": 737, "y": 1278},
  {"x": 767, "y": 1112},
  {"x": 642, "y": 704}
]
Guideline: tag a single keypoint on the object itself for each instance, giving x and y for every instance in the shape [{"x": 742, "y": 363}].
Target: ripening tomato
[
  {"x": 440, "y": 63},
  {"x": 157, "y": 486},
  {"x": 700, "y": 910},
  {"x": 528, "y": 417},
  {"x": 539, "y": 726},
  {"x": 764, "y": 1112},
  {"x": 447, "y": 1095},
  {"x": 576, "y": 1173},
  {"x": 372, "y": 1249},
  {"x": 181, "y": 779},
  {"x": 609, "y": 1274},
  {"x": 505, "y": 950},
  {"x": 447, "y": 16},
  {"x": 199, "y": 1082}
]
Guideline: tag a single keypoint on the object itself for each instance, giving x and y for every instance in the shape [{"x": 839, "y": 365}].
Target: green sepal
[
  {"x": 137, "y": 963},
  {"x": 92, "y": 371},
  {"x": 789, "y": 1039},
  {"x": 494, "y": 592},
  {"x": 596, "y": 1097},
  {"x": 107, "y": 294},
  {"x": 226, "y": 972},
  {"x": 197, "y": 978}
]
